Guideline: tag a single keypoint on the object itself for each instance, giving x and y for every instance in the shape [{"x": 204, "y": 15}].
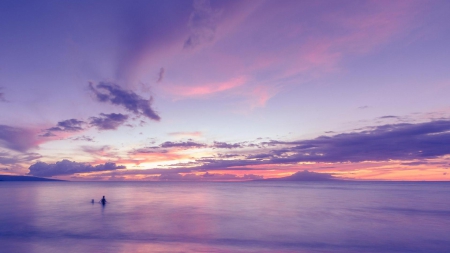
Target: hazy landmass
[
  {"x": 24, "y": 178},
  {"x": 305, "y": 176}
]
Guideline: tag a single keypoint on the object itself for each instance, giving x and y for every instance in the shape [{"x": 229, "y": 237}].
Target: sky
[{"x": 225, "y": 90}]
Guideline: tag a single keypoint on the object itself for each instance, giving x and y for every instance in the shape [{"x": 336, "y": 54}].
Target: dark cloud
[
  {"x": 389, "y": 117},
  {"x": 66, "y": 167},
  {"x": 108, "y": 121},
  {"x": 382, "y": 143},
  {"x": 18, "y": 139},
  {"x": 70, "y": 125},
  {"x": 225, "y": 145},
  {"x": 186, "y": 144},
  {"x": 202, "y": 24},
  {"x": 306, "y": 176},
  {"x": 161, "y": 75},
  {"x": 113, "y": 93}
]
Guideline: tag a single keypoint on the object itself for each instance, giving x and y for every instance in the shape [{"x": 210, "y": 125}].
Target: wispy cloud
[
  {"x": 7, "y": 158},
  {"x": 108, "y": 121},
  {"x": 204, "y": 89},
  {"x": 104, "y": 151},
  {"x": 195, "y": 134},
  {"x": 2, "y": 96},
  {"x": 161, "y": 75},
  {"x": 202, "y": 24},
  {"x": 83, "y": 138},
  {"x": 181, "y": 144},
  {"x": 18, "y": 139}
]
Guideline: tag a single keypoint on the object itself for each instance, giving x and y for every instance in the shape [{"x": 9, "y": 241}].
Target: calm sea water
[{"x": 225, "y": 217}]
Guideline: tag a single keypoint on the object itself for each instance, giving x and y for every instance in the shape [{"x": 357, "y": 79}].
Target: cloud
[
  {"x": 205, "y": 89},
  {"x": 306, "y": 176},
  {"x": 83, "y": 138},
  {"x": 101, "y": 151},
  {"x": 225, "y": 145},
  {"x": 186, "y": 134},
  {"x": 404, "y": 142},
  {"x": 389, "y": 117},
  {"x": 382, "y": 143},
  {"x": 2, "y": 96},
  {"x": 202, "y": 24},
  {"x": 66, "y": 167},
  {"x": 18, "y": 139},
  {"x": 186, "y": 144},
  {"x": 114, "y": 94},
  {"x": 8, "y": 159},
  {"x": 67, "y": 126},
  {"x": 161, "y": 75},
  {"x": 173, "y": 176},
  {"x": 108, "y": 121},
  {"x": 70, "y": 125}
]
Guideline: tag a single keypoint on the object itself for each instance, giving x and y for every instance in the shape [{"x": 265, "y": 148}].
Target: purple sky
[{"x": 225, "y": 90}]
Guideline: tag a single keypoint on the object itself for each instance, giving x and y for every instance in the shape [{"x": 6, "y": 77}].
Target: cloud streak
[
  {"x": 161, "y": 75},
  {"x": 2, "y": 96},
  {"x": 186, "y": 144}
]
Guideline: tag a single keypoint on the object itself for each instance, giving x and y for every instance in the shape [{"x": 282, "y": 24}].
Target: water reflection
[{"x": 224, "y": 217}]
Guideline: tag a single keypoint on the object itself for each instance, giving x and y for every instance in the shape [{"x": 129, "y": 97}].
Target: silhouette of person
[
  {"x": 92, "y": 201},
  {"x": 103, "y": 200}
]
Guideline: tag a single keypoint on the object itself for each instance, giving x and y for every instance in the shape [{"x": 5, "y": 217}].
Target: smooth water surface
[{"x": 46, "y": 217}]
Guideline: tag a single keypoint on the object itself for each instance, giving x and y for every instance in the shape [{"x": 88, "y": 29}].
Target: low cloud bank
[{"x": 66, "y": 167}]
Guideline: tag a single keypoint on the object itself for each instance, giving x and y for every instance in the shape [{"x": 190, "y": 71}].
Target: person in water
[{"x": 103, "y": 200}]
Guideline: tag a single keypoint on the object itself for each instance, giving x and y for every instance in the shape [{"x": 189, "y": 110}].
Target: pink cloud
[
  {"x": 261, "y": 42},
  {"x": 186, "y": 134},
  {"x": 205, "y": 89}
]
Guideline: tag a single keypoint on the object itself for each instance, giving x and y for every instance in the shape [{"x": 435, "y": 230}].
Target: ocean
[{"x": 44, "y": 217}]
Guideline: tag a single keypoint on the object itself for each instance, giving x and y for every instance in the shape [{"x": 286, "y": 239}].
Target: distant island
[
  {"x": 304, "y": 176},
  {"x": 24, "y": 178}
]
